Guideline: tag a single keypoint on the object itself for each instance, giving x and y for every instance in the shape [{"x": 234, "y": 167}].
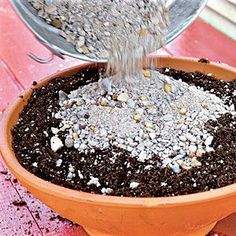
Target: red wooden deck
[{"x": 17, "y": 71}]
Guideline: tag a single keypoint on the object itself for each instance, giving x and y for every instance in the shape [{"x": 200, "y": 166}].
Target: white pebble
[
  {"x": 80, "y": 174},
  {"x": 57, "y": 116},
  {"x": 83, "y": 146},
  {"x": 70, "y": 175},
  {"x": 134, "y": 185},
  {"x": 166, "y": 162},
  {"x": 35, "y": 164},
  {"x": 152, "y": 135},
  {"x": 139, "y": 111},
  {"x": 71, "y": 168},
  {"x": 209, "y": 140},
  {"x": 103, "y": 132},
  {"x": 77, "y": 145},
  {"x": 129, "y": 149},
  {"x": 106, "y": 191},
  {"x": 148, "y": 167},
  {"x": 184, "y": 127},
  {"x": 94, "y": 181},
  {"x": 46, "y": 134},
  {"x": 191, "y": 138},
  {"x": 131, "y": 104},
  {"x": 58, "y": 162},
  {"x": 192, "y": 148},
  {"x": 76, "y": 127},
  {"x": 55, "y": 130},
  {"x": 69, "y": 142},
  {"x": 176, "y": 148},
  {"x": 142, "y": 156},
  {"x": 93, "y": 143},
  {"x": 209, "y": 149},
  {"x": 123, "y": 97},
  {"x": 56, "y": 143},
  {"x": 175, "y": 167},
  {"x": 183, "y": 138}
]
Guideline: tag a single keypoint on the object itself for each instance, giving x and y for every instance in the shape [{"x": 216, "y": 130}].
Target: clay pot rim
[{"x": 52, "y": 189}]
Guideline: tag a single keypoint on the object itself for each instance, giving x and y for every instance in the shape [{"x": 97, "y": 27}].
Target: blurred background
[{"x": 221, "y": 14}]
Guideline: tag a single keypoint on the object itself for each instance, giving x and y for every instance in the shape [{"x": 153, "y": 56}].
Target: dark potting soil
[
  {"x": 220, "y": 88},
  {"x": 32, "y": 146},
  {"x": 19, "y": 203}
]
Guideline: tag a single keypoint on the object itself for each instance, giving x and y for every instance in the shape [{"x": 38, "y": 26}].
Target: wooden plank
[
  {"x": 48, "y": 221},
  {"x": 9, "y": 88},
  {"x": 14, "y": 220},
  {"x": 201, "y": 40},
  {"x": 23, "y": 220}
]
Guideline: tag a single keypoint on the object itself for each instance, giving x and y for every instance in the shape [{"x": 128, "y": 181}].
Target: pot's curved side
[{"x": 184, "y": 215}]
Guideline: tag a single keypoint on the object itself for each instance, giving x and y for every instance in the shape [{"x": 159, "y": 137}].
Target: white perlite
[
  {"x": 145, "y": 122},
  {"x": 134, "y": 185},
  {"x": 56, "y": 143},
  {"x": 94, "y": 181},
  {"x": 106, "y": 191},
  {"x": 58, "y": 162}
]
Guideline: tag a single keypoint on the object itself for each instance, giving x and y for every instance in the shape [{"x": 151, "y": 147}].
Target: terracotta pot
[{"x": 189, "y": 215}]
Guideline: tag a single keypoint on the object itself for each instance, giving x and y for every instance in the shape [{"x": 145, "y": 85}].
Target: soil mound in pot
[{"x": 50, "y": 148}]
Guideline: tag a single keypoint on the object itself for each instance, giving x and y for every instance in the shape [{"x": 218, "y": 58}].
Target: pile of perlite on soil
[{"x": 170, "y": 133}]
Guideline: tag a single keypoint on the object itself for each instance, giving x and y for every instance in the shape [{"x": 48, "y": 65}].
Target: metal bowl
[{"x": 181, "y": 14}]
